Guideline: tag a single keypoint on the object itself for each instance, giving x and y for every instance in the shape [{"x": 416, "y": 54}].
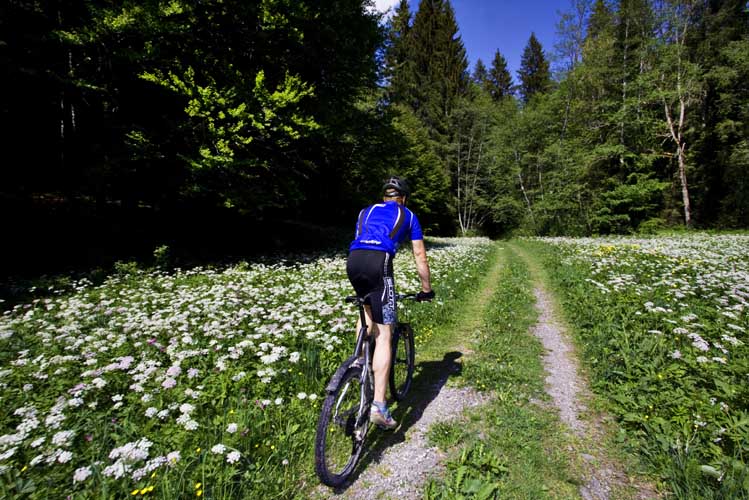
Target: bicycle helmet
[{"x": 395, "y": 186}]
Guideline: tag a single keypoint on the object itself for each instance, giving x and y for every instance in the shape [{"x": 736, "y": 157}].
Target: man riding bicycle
[{"x": 380, "y": 230}]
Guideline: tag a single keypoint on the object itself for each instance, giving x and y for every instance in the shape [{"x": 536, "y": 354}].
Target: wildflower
[
  {"x": 233, "y": 457},
  {"x": 302, "y": 395},
  {"x": 173, "y": 457},
  {"x": 218, "y": 449},
  {"x": 168, "y": 383},
  {"x": 192, "y": 373},
  {"x": 81, "y": 474},
  {"x": 278, "y": 401},
  {"x": 676, "y": 354},
  {"x": 64, "y": 457},
  {"x": 231, "y": 428}
]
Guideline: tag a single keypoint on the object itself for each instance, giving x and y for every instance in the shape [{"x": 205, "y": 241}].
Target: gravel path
[
  {"x": 567, "y": 389},
  {"x": 400, "y": 466}
]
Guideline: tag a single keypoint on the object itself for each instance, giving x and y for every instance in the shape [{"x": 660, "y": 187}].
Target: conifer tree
[
  {"x": 440, "y": 64},
  {"x": 534, "y": 72},
  {"x": 480, "y": 73},
  {"x": 500, "y": 81},
  {"x": 398, "y": 66}
]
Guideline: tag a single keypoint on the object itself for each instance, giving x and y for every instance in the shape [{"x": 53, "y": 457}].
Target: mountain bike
[{"x": 344, "y": 419}]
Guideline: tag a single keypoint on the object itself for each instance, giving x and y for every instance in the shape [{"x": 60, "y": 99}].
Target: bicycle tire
[
  {"x": 402, "y": 361},
  {"x": 338, "y": 443}
]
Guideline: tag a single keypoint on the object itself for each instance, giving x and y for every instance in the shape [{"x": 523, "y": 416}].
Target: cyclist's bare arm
[{"x": 422, "y": 265}]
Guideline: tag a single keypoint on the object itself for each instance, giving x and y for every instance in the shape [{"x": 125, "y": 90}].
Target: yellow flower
[
  {"x": 153, "y": 475},
  {"x": 134, "y": 492},
  {"x": 198, "y": 485},
  {"x": 197, "y": 450},
  {"x": 199, "y": 493},
  {"x": 25, "y": 467},
  {"x": 231, "y": 412},
  {"x": 150, "y": 489}
]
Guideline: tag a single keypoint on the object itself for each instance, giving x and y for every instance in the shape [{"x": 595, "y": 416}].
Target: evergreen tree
[
  {"x": 534, "y": 72},
  {"x": 440, "y": 65},
  {"x": 398, "y": 66},
  {"x": 480, "y": 73},
  {"x": 500, "y": 81}
]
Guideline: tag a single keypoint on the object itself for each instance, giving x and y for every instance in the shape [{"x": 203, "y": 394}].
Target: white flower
[
  {"x": 302, "y": 395},
  {"x": 186, "y": 408},
  {"x": 191, "y": 425},
  {"x": 676, "y": 354},
  {"x": 151, "y": 411},
  {"x": 61, "y": 438},
  {"x": 192, "y": 373},
  {"x": 81, "y": 474},
  {"x": 218, "y": 449},
  {"x": 173, "y": 457},
  {"x": 233, "y": 457},
  {"x": 312, "y": 397},
  {"x": 64, "y": 457},
  {"x": 232, "y": 428},
  {"x": 278, "y": 401}
]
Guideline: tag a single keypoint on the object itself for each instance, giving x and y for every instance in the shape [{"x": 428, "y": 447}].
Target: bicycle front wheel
[
  {"x": 341, "y": 430},
  {"x": 402, "y": 364}
]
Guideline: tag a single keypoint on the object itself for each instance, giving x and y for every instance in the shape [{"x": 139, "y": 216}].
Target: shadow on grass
[{"x": 429, "y": 378}]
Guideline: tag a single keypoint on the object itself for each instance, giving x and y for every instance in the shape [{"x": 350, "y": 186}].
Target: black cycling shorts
[{"x": 371, "y": 274}]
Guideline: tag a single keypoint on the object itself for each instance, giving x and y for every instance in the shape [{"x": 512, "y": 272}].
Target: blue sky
[{"x": 488, "y": 25}]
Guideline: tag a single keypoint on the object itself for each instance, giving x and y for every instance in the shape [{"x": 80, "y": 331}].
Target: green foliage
[
  {"x": 509, "y": 448},
  {"x": 534, "y": 72},
  {"x": 666, "y": 359}
]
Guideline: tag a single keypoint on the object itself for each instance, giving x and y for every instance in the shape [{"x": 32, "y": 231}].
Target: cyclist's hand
[{"x": 425, "y": 296}]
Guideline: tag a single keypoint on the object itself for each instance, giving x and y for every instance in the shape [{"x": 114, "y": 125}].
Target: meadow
[
  {"x": 663, "y": 325},
  {"x": 202, "y": 382}
]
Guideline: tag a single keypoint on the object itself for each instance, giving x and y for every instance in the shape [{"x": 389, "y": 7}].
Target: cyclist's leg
[
  {"x": 381, "y": 361},
  {"x": 372, "y": 325}
]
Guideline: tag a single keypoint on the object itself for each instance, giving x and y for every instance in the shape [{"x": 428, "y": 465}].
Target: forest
[{"x": 226, "y": 127}]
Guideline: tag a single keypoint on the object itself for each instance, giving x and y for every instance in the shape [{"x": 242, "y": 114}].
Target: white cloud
[{"x": 384, "y": 5}]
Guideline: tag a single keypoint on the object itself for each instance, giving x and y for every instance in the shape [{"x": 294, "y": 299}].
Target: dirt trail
[
  {"x": 604, "y": 478},
  {"x": 400, "y": 464}
]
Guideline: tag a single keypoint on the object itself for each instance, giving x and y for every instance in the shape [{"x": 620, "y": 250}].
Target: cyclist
[{"x": 380, "y": 230}]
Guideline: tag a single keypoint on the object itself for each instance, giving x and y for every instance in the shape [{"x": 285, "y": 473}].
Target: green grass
[
  {"x": 683, "y": 410},
  {"x": 512, "y": 447}
]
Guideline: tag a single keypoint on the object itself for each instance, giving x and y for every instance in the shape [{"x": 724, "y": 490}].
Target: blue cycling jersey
[{"x": 384, "y": 226}]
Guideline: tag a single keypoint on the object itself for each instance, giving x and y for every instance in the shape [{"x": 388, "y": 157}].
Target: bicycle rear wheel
[
  {"x": 339, "y": 441},
  {"x": 402, "y": 364}
]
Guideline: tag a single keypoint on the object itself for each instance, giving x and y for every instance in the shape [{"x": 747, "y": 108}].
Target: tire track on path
[
  {"x": 398, "y": 465},
  {"x": 604, "y": 478}
]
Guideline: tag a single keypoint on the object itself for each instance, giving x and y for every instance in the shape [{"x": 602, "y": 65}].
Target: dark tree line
[{"x": 145, "y": 120}]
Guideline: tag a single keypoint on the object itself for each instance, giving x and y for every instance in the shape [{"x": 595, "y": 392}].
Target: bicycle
[{"x": 344, "y": 419}]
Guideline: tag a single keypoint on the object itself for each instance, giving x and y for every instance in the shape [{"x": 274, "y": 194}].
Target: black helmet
[{"x": 395, "y": 186}]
